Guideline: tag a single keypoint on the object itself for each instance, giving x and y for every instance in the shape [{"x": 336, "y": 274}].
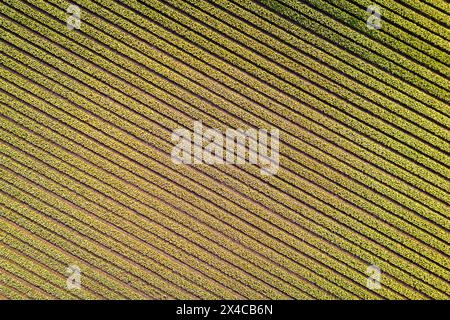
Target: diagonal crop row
[
  {"x": 123, "y": 224},
  {"x": 135, "y": 131},
  {"x": 28, "y": 269},
  {"x": 266, "y": 70},
  {"x": 390, "y": 36},
  {"x": 63, "y": 237},
  {"x": 16, "y": 287},
  {"x": 140, "y": 183},
  {"x": 285, "y": 46},
  {"x": 146, "y": 262},
  {"x": 434, "y": 34},
  {"x": 426, "y": 12},
  {"x": 146, "y": 251},
  {"x": 369, "y": 49},
  {"x": 39, "y": 200},
  {"x": 86, "y": 119},
  {"x": 304, "y": 71},
  {"x": 60, "y": 260},
  {"x": 424, "y": 175},
  {"x": 116, "y": 197},
  {"x": 88, "y": 156},
  {"x": 11, "y": 288},
  {"x": 56, "y": 275},
  {"x": 295, "y": 32}
]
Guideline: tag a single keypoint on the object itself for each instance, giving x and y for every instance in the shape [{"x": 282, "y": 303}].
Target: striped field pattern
[{"x": 87, "y": 179}]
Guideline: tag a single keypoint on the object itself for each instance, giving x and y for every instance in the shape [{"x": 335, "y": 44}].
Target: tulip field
[{"x": 87, "y": 110}]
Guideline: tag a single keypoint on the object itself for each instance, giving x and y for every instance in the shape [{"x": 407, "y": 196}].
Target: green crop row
[
  {"x": 323, "y": 69},
  {"x": 132, "y": 229},
  {"x": 65, "y": 238},
  {"x": 267, "y": 104},
  {"x": 144, "y": 250},
  {"x": 291, "y": 86},
  {"x": 143, "y": 184},
  {"x": 121, "y": 174},
  {"x": 432, "y": 32},
  {"x": 118, "y": 196},
  {"x": 151, "y": 178},
  {"x": 266, "y": 52},
  {"x": 364, "y": 47},
  {"x": 409, "y": 167},
  {"x": 210, "y": 9},
  {"x": 295, "y": 32},
  {"x": 16, "y": 286},
  {"x": 421, "y": 6},
  {"x": 130, "y": 197},
  {"x": 65, "y": 214},
  {"x": 53, "y": 274},
  {"x": 10, "y": 288},
  {"x": 32, "y": 272},
  {"x": 51, "y": 256},
  {"x": 388, "y": 35},
  {"x": 78, "y": 125}
]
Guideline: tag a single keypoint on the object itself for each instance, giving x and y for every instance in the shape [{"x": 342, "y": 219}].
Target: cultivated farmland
[{"x": 90, "y": 100}]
